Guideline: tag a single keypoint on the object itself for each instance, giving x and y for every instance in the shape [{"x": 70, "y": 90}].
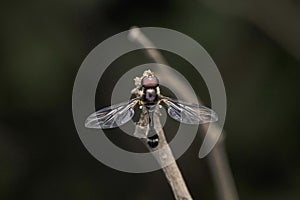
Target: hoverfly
[{"x": 148, "y": 96}]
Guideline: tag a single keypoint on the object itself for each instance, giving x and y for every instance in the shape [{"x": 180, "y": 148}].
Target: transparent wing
[
  {"x": 189, "y": 113},
  {"x": 112, "y": 116}
]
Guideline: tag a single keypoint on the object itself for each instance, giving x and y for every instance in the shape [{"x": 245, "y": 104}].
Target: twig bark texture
[
  {"x": 221, "y": 173},
  {"x": 164, "y": 157}
]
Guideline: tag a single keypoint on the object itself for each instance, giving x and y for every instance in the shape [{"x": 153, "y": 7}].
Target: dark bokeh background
[{"x": 255, "y": 44}]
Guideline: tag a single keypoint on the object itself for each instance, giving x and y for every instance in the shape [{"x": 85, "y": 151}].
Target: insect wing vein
[
  {"x": 111, "y": 116},
  {"x": 189, "y": 113}
]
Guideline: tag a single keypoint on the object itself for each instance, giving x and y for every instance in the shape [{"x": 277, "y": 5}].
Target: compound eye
[{"x": 149, "y": 81}]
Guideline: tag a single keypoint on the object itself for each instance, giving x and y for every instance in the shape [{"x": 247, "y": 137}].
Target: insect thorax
[
  {"x": 150, "y": 95},
  {"x": 150, "y": 88}
]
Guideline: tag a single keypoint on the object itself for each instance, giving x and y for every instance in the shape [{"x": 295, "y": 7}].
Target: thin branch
[
  {"x": 171, "y": 171},
  {"x": 217, "y": 159}
]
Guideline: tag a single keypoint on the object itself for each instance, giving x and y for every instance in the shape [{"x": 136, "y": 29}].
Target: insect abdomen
[{"x": 153, "y": 141}]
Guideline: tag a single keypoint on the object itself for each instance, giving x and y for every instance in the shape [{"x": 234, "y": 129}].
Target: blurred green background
[{"x": 255, "y": 44}]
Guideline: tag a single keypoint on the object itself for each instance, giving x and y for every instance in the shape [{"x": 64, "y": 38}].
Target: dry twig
[
  {"x": 217, "y": 159},
  {"x": 164, "y": 156}
]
